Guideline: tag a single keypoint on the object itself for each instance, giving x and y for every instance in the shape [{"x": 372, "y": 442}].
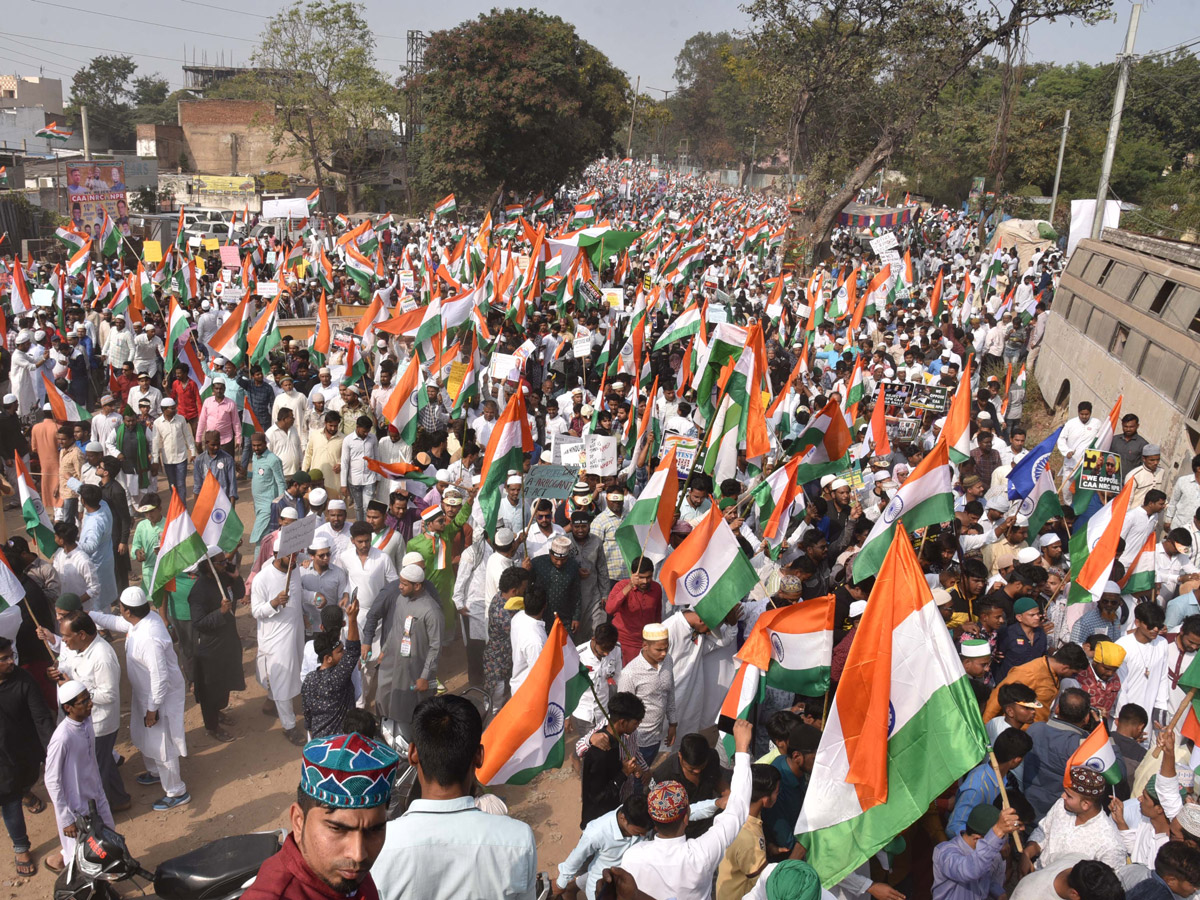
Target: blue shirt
[
  {"x": 600, "y": 847},
  {"x": 1180, "y": 608},
  {"x": 979, "y": 786},
  {"x": 448, "y": 850},
  {"x": 779, "y": 821},
  {"x": 961, "y": 872}
]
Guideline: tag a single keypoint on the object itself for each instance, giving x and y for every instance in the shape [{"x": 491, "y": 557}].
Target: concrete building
[
  {"x": 231, "y": 137},
  {"x": 31, "y": 91},
  {"x": 1126, "y": 322},
  {"x": 19, "y": 127}
]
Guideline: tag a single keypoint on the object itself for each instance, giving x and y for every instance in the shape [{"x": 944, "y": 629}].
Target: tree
[
  {"x": 863, "y": 74},
  {"x": 103, "y": 87},
  {"x": 514, "y": 99},
  {"x": 332, "y": 106}
]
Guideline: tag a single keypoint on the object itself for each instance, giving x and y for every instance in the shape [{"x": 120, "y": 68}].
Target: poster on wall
[{"x": 93, "y": 187}]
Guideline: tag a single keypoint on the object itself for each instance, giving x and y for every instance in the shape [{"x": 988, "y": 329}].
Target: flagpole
[
  {"x": 224, "y": 596},
  {"x": 1004, "y": 793}
]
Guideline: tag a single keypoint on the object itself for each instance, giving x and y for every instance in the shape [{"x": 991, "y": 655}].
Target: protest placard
[
  {"x": 42, "y": 297},
  {"x": 210, "y": 243},
  {"x": 903, "y": 430},
  {"x": 550, "y": 481},
  {"x": 569, "y": 452},
  {"x": 268, "y": 288},
  {"x": 230, "y": 256},
  {"x": 581, "y": 345},
  {"x": 342, "y": 339},
  {"x": 1101, "y": 471},
  {"x": 407, "y": 279},
  {"x": 297, "y": 536},
  {"x": 454, "y": 382},
  {"x": 885, "y": 241},
  {"x": 613, "y": 297},
  {"x": 685, "y": 451},
  {"x": 717, "y": 314},
  {"x": 601, "y": 454},
  {"x": 151, "y": 251},
  {"x": 929, "y": 397},
  {"x": 504, "y": 365},
  {"x": 895, "y": 393}
]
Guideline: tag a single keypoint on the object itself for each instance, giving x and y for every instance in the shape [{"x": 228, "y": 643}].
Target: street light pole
[
  {"x": 632, "y": 111},
  {"x": 1114, "y": 124}
]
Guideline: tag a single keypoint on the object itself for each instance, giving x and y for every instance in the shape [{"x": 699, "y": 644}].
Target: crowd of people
[{"x": 606, "y": 325}]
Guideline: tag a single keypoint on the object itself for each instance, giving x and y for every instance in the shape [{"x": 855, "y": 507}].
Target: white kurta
[
  {"x": 687, "y": 651},
  {"x": 280, "y": 632},
  {"x": 469, "y": 594},
  {"x": 73, "y": 778},
  {"x": 1143, "y": 674},
  {"x": 156, "y": 682}
]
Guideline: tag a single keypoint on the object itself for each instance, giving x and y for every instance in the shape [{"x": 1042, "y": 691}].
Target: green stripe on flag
[{"x": 575, "y": 688}]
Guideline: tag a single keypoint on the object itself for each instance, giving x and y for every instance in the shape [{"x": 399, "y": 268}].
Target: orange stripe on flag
[
  {"x": 864, "y": 691},
  {"x": 526, "y": 710}
]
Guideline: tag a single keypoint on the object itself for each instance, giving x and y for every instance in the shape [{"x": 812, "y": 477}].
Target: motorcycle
[{"x": 220, "y": 870}]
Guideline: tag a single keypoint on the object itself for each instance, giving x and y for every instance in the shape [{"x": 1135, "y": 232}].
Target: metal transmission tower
[{"x": 413, "y": 67}]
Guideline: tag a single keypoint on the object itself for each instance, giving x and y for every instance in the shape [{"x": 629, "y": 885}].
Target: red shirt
[
  {"x": 124, "y": 383},
  {"x": 286, "y": 876},
  {"x": 187, "y": 398},
  {"x": 633, "y": 612}
]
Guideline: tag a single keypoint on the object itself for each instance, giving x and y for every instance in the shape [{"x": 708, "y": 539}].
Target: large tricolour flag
[
  {"x": 823, "y": 444},
  {"x": 1096, "y": 752},
  {"x": 925, "y": 498},
  {"x": 1094, "y": 549},
  {"x": 957, "y": 430},
  {"x": 647, "y": 526},
  {"x": 774, "y": 498},
  {"x": 404, "y": 406},
  {"x": 215, "y": 517},
  {"x": 65, "y": 409},
  {"x": 708, "y": 571},
  {"x": 682, "y": 328},
  {"x": 37, "y": 520},
  {"x": 794, "y": 646},
  {"x": 180, "y": 547},
  {"x": 903, "y": 725},
  {"x": 526, "y": 737},
  {"x": 506, "y": 450}
]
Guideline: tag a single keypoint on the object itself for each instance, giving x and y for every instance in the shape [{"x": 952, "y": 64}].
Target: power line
[
  {"x": 76, "y": 9},
  {"x": 29, "y": 37}
]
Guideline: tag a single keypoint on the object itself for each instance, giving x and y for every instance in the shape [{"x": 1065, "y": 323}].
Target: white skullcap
[
  {"x": 46, "y": 407},
  {"x": 93, "y": 447},
  {"x": 1021, "y": 521},
  {"x": 204, "y": 304},
  {"x": 442, "y": 475},
  {"x": 218, "y": 361},
  {"x": 413, "y": 574},
  {"x": 838, "y": 484},
  {"x": 412, "y": 558},
  {"x": 513, "y": 480},
  {"x": 289, "y": 512},
  {"x": 335, "y": 505},
  {"x": 24, "y": 336},
  {"x": 1111, "y": 587},
  {"x": 9, "y": 398},
  {"x": 68, "y": 691},
  {"x": 997, "y": 503},
  {"x": 317, "y": 497},
  {"x": 320, "y": 542},
  {"x": 39, "y": 335},
  {"x": 135, "y": 597},
  {"x": 941, "y": 596},
  {"x": 827, "y": 480},
  {"x": 1027, "y": 555},
  {"x": 505, "y": 536},
  {"x": 655, "y": 631},
  {"x": 167, "y": 402},
  {"x": 1045, "y": 540},
  {"x": 857, "y": 608}
]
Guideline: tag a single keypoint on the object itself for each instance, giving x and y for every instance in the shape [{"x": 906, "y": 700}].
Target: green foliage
[
  {"x": 514, "y": 98},
  {"x": 332, "y": 106},
  {"x": 117, "y": 101}
]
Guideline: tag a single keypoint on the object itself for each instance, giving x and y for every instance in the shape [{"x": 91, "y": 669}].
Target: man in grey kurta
[
  {"x": 411, "y": 637},
  {"x": 594, "y": 582}
]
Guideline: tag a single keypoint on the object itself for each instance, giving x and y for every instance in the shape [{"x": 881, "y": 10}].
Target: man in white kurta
[
  {"x": 689, "y": 640},
  {"x": 156, "y": 700},
  {"x": 72, "y": 776},
  {"x": 275, "y": 603},
  {"x": 1144, "y": 671}
]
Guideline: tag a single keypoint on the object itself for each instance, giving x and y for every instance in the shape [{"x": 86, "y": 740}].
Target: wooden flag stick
[
  {"x": 1004, "y": 795},
  {"x": 1183, "y": 708}
]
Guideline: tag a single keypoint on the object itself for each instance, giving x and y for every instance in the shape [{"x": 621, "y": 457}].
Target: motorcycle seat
[{"x": 216, "y": 869}]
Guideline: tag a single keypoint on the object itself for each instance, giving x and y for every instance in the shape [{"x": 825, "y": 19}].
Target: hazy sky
[{"x": 642, "y": 37}]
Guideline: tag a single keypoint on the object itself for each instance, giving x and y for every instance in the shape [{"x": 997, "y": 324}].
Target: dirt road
[{"x": 248, "y": 785}]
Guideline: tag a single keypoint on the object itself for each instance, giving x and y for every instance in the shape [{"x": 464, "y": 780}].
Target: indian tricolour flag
[
  {"x": 11, "y": 594},
  {"x": 646, "y": 528},
  {"x": 527, "y": 735},
  {"x": 1096, "y": 752},
  {"x": 774, "y": 498},
  {"x": 794, "y": 646},
  {"x": 215, "y": 517},
  {"x": 1093, "y": 549},
  {"x": 823, "y": 444},
  {"x": 263, "y": 335},
  {"x": 406, "y": 402},
  {"x": 744, "y": 691},
  {"x": 79, "y": 259},
  {"x": 229, "y": 341},
  {"x": 64, "y": 408},
  {"x": 708, "y": 571},
  {"x": 177, "y": 330},
  {"x": 37, "y": 520},
  {"x": 903, "y": 725},
  {"x": 1142, "y": 573},
  {"x": 925, "y": 498},
  {"x": 180, "y": 548},
  {"x": 55, "y": 132},
  {"x": 73, "y": 240},
  {"x": 414, "y": 477},
  {"x": 110, "y": 237},
  {"x": 957, "y": 429},
  {"x": 446, "y": 206},
  {"x": 506, "y": 450},
  {"x": 687, "y": 324}
]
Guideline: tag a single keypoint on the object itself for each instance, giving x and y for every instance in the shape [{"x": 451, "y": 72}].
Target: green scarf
[{"x": 142, "y": 463}]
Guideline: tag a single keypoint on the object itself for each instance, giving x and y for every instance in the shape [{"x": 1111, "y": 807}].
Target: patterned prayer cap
[
  {"x": 667, "y": 802},
  {"x": 1088, "y": 782},
  {"x": 348, "y": 771}
]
